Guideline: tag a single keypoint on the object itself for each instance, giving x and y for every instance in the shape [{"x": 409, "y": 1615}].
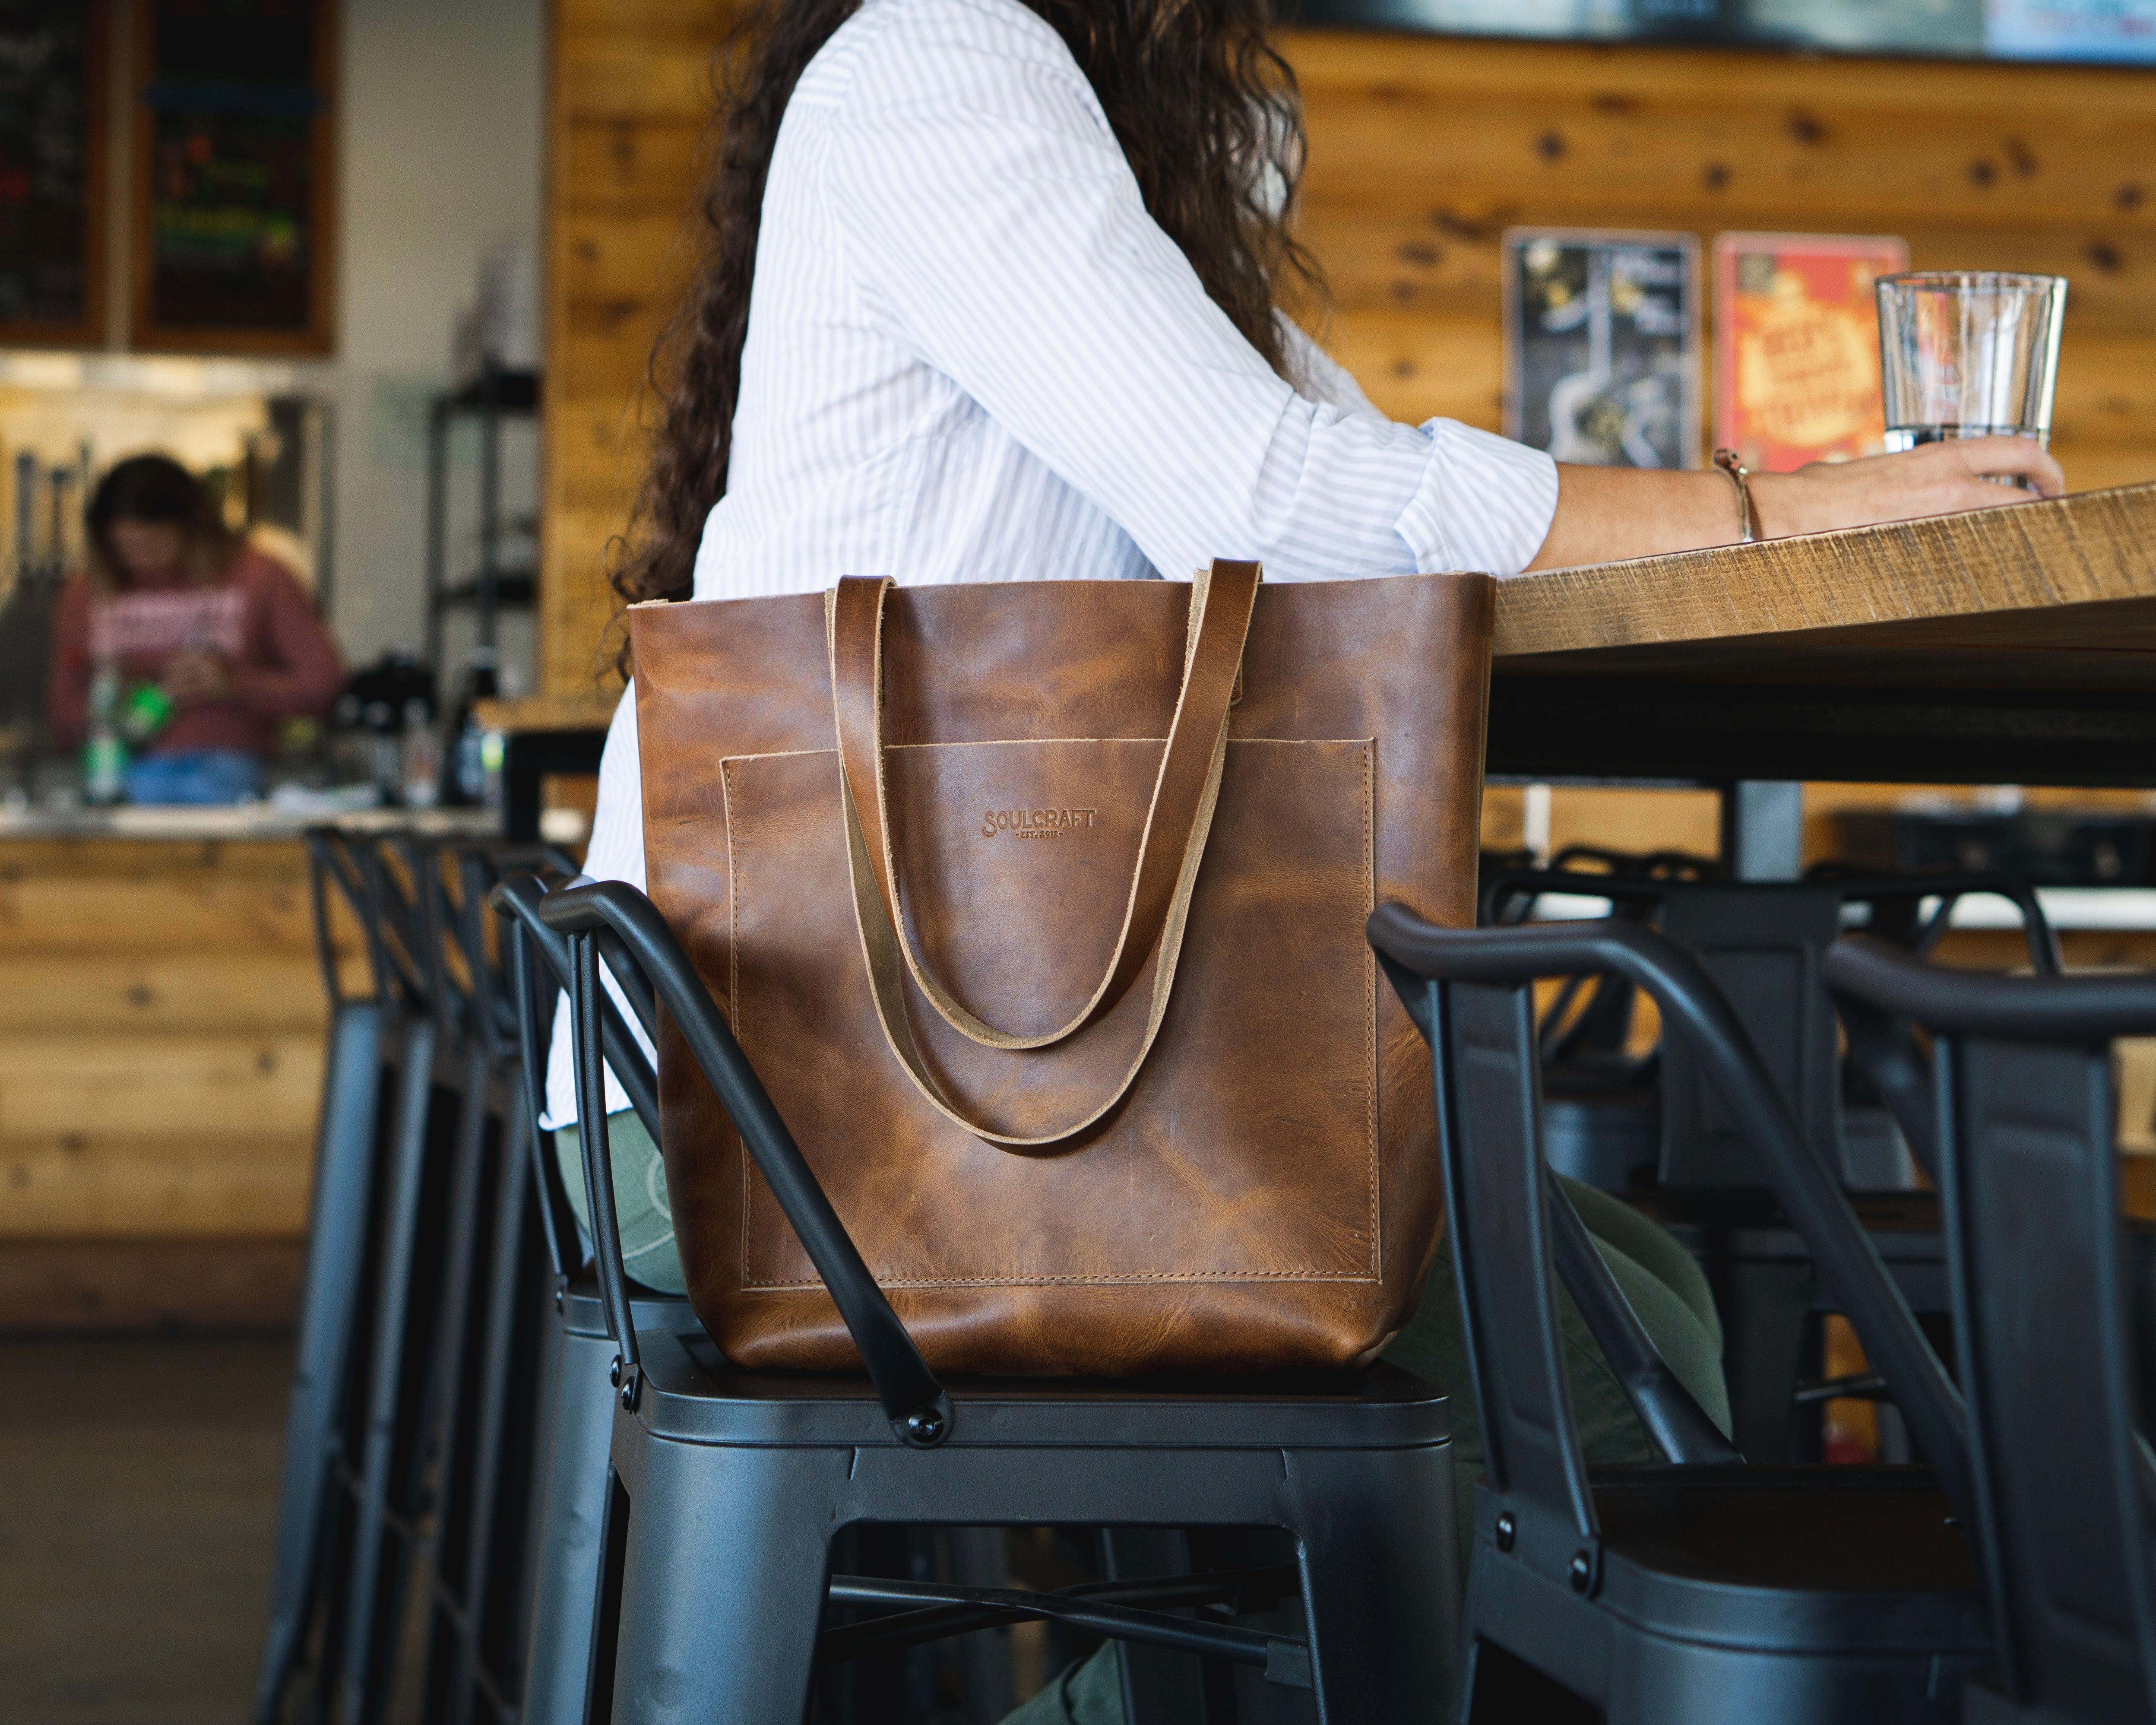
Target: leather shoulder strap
[{"x": 1178, "y": 820}]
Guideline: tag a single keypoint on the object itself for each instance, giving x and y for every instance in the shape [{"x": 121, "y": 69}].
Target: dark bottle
[{"x": 463, "y": 753}]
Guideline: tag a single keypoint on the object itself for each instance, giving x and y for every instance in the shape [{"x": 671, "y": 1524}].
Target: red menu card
[{"x": 1796, "y": 346}]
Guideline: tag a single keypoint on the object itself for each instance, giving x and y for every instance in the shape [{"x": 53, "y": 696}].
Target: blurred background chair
[
  {"x": 1643, "y": 1123},
  {"x": 2044, "y": 1318},
  {"x": 1681, "y": 1593},
  {"x": 407, "y": 1446}
]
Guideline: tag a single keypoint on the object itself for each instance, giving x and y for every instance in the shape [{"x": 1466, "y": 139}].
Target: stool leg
[
  {"x": 336, "y": 1240},
  {"x": 722, "y": 1582},
  {"x": 376, "y": 1598},
  {"x": 450, "y": 1437},
  {"x": 578, "y": 1409},
  {"x": 1765, "y": 1307},
  {"x": 501, "y": 1467},
  {"x": 1381, "y": 1583},
  {"x": 1160, "y": 1686}
]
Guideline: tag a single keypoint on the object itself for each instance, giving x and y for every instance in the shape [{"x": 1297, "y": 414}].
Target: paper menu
[{"x": 1796, "y": 346}]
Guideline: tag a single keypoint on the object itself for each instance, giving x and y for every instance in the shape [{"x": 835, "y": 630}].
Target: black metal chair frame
[
  {"x": 574, "y": 1400},
  {"x": 1599, "y": 1581},
  {"x": 2064, "y": 1484},
  {"x": 353, "y": 1087},
  {"x": 404, "y": 1437},
  {"x": 1771, "y": 1296},
  {"x": 1368, "y": 1455}
]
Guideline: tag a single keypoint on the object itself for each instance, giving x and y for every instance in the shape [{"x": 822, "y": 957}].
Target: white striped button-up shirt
[{"x": 972, "y": 355}]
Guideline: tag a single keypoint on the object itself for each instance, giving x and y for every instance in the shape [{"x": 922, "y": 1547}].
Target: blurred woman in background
[{"x": 189, "y": 643}]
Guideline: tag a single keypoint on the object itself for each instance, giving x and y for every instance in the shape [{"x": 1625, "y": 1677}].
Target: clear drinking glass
[{"x": 1968, "y": 353}]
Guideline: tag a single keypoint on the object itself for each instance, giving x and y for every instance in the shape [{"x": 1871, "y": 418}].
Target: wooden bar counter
[{"x": 161, "y": 1022}]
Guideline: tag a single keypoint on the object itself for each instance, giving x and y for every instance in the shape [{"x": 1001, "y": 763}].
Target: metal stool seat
[
  {"x": 1779, "y": 1567},
  {"x": 729, "y": 1487},
  {"x": 1357, "y": 1470}
]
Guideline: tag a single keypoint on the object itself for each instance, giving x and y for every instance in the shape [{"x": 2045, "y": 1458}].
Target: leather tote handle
[{"x": 1185, "y": 791}]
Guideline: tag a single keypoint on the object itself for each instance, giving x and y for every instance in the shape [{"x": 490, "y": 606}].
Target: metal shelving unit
[{"x": 495, "y": 395}]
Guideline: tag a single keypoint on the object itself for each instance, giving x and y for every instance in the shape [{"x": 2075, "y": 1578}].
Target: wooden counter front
[{"x": 161, "y": 1023}]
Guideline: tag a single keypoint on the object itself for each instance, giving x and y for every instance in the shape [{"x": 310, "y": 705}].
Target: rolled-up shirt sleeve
[{"x": 992, "y": 226}]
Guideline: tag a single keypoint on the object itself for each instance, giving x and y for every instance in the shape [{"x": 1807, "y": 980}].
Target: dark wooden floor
[{"x": 138, "y": 1483}]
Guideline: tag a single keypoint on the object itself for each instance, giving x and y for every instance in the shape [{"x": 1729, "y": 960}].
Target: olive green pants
[
  {"x": 1658, "y": 1276},
  {"x": 645, "y": 1218}
]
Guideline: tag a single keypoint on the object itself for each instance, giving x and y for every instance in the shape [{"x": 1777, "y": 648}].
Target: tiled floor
[{"x": 138, "y": 1483}]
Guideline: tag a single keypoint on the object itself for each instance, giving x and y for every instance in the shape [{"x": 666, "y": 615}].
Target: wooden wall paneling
[
  {"x": 162, "y": 1025},
  {"x": 154, "y": 1285},
  {"x": 118, "y": 1186},
  {"x": 1423, "y": 151},
  {"x": 632, "y": 90},
  {"x": 155, "y": 993}
]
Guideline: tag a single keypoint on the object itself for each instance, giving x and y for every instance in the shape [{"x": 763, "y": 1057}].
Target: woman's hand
[
  {"x": 1931, "y": 479},
  {"x": 1607, "y": 513},
  {"x": 196, "y": 678}
]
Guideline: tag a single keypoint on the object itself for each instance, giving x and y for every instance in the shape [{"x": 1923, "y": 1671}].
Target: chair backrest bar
[
  {"x": 1762, "y": 944},
  {"x": 539, "y": 969},
  {"x": 2042, "y": 1319},
  {"x": 1482, "y": 1036},
  {"x": 1693, "y": 1009},
  {"x": 912, "y": 1399}
]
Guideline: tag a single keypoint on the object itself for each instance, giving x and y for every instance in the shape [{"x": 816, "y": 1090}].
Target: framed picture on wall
[
  {"x": 53, "y": 80},
  {"x": 1602, "y": 345},
  {"x": 234, "y": 219}
]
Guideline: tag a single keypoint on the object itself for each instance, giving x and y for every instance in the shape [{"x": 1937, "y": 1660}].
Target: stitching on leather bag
[
  {"x": 1370, "y": 1012},
  {"x": 733, "y": 977},
  {"x": 1015, "y": 1279}
]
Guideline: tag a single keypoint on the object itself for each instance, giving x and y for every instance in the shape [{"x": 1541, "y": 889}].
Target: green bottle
[
  {"x": 104, "y": 754},
  {"x": 147, "y": 710}
]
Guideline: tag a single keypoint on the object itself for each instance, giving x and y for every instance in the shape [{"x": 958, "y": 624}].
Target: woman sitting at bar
[
  {"x": 991, "y": 291},
  {"x": 196, "y": 643}
]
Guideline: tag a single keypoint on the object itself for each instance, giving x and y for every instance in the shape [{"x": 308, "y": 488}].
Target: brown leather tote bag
[{"x": 1038, "y": 907}]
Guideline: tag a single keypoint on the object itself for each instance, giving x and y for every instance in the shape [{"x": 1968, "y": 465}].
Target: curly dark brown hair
[{"x": 1206, "y": 113}]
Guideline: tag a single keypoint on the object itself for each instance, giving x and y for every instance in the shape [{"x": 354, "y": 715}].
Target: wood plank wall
[
  {"x": 1422, "y": 151},
  {"x": 631, "y": 89},
  {"x": 161, "y": 1023}
]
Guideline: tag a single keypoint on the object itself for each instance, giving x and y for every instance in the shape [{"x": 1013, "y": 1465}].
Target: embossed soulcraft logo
[{"x": 1037, "y": 823}]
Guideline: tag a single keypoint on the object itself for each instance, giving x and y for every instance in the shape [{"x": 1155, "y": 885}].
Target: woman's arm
[
  {"x": 302, "y": 672},
  {"x": 985, "y": 218},
  {"x": 1607, "y": 513},
  {"x": 991, "y": 225}
]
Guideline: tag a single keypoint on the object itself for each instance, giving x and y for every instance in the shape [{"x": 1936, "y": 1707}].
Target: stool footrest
[{"x": 1110, "y": 1609}]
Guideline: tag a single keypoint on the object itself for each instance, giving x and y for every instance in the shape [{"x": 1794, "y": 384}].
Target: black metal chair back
[
  {"x": 1470, "y": 990},
  {"x": 2043, "y": 1318},
  {"x": 1762, "y": 944},
  {"x": 1786, "y": 1575}
]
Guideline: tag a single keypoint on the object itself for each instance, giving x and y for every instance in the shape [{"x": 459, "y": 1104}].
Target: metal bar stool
[
  {"x": 574, "y": 1418},
  {"x": 353, "y": 1085},
  {"x": 728, "y": 1486},
  {"x": 1676, "y": 1594},
  {"x": 491, "y": 1337},
  {"x": 2043, "y": 1323}
]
